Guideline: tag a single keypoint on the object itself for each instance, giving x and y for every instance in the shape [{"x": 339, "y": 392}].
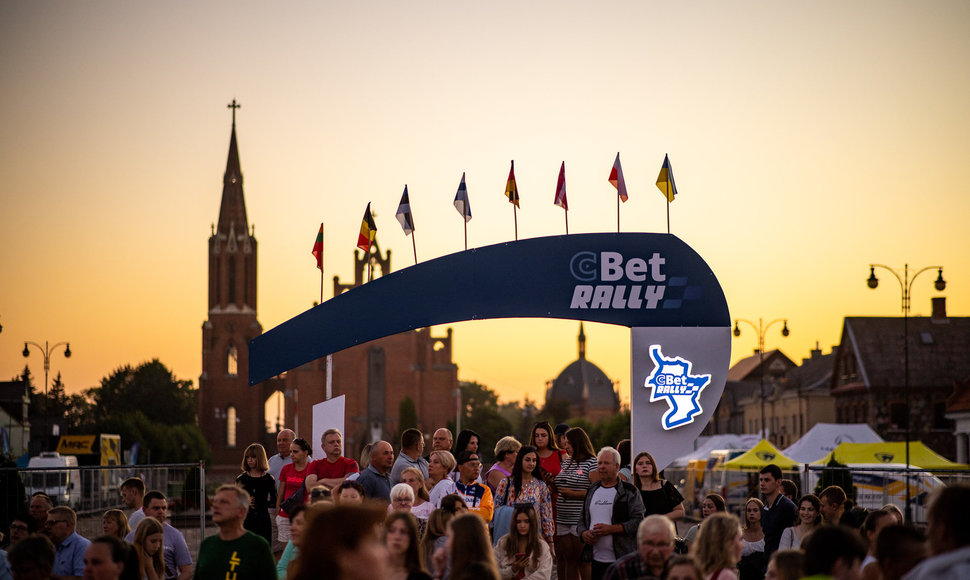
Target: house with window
[{"x": 868, "y": 385}]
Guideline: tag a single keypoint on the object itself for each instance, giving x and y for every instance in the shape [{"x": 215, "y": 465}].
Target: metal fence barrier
[
  {"x": 873, "y": 487},
  {"x": 91, "y": 490}
]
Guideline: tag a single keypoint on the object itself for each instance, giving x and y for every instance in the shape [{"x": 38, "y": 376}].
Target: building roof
[
  {"x": 815, "y": 373},
  {"x": 581, "y": 380},
  {"x": 582, "y": 376},
  {"x": 749, "y": 368},
  {"x": 939, "y": 349},
  {"x": 232, "y": 209}
]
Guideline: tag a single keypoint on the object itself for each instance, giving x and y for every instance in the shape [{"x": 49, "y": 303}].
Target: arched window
[
  {"x": 231, "y": 426},
  {"x": 232, "y": 361}
]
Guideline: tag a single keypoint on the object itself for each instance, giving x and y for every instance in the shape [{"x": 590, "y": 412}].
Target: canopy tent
[
  {"x": 820, "y": 440},
  {"x": 722, "y": 441},
  {"x": 758, "y": 457},
  {"x": 890, "y": 452}
]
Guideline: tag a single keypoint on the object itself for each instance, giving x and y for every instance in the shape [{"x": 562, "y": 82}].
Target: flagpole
[
  {"x": 668, "y": 215},
  {"x": 329, "y": 356},
  {"x": 515, "y": 219},
  {"x": 617, "y": 213},
  {"x": 414, "y": 246},
  {"x": 466, "y": 235},
  {"x": 566, "y": 214}
]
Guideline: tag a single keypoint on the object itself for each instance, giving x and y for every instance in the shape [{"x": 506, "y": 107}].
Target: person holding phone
[{"x": 521, "y": 554}]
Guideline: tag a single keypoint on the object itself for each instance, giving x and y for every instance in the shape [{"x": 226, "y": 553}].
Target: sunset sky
[{"x": 807, "y": 139}]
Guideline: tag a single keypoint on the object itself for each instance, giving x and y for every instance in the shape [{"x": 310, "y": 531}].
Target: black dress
[
  {"x": 661, "y": 501},
  {"x": 263, "y": 491}
]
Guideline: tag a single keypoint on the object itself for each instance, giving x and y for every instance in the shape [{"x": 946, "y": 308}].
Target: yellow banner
[
  {"x": 76, "y": 445},
  {"x": 110, "y": 450}
]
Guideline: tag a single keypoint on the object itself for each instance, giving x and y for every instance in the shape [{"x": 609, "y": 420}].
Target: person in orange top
[{"x": 478, "y": 497}]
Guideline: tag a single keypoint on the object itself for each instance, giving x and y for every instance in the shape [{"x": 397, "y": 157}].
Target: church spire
[
  {"x": 582, "y": 342},
  {"x": 232, "y": 211}
]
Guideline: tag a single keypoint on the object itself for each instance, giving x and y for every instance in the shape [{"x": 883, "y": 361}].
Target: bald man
[
  {"x": 376, "y": 479},
  {"x": 276, "y": 462}
]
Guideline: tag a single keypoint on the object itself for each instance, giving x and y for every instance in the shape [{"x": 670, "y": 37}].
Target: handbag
[{"x": 296, "y": 498}]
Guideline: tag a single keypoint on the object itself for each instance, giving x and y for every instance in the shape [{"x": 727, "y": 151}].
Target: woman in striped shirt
[{"x": 578, "y": 473}]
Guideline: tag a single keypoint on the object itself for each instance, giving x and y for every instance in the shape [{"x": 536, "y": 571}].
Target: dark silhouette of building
[
  {"x": 375, "y": 376},
  {"x": 868, "y": 385},
  {"x": 585, "y": 388}
]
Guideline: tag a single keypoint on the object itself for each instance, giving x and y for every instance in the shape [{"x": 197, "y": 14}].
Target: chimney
[
  {"x": 816, "y": 352},
  {"x": 939, "y": 309}
]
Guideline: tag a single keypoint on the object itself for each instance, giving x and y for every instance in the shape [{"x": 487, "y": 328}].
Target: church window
[
  {"x": 231, "y": 426},
  {"x": 232, "y": 361}
]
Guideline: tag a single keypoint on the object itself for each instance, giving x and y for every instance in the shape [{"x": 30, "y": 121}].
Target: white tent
[
  {"x": 821, "y": 439},
  {"x": 725, "y": 441}
]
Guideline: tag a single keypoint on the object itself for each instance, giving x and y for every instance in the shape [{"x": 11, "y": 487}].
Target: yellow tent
[
  {"x": 759, "y": 456},
  {"x": 890, "y": 452}
]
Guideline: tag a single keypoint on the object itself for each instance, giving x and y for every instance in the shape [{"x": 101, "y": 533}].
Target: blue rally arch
[{"x": 653, "y": 283}]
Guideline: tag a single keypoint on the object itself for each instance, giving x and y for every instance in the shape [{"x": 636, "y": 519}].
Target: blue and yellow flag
[{"x": 665, "y": 181}]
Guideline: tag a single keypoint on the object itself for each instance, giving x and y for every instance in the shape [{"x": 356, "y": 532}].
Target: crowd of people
[{"x": 554, "y": 507}]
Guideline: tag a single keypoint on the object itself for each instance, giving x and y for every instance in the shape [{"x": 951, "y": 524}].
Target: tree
[
  {"x": 148, "y": 404},
  {"x": 480, "y": 413},
  {"x": 150, "y": 388}
]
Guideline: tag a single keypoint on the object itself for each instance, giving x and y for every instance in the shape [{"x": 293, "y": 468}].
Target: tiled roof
[
  {"x": 813, "y": 374},
  {"x": 747, "y": 368},
  {"x": 939, "y": 351}
]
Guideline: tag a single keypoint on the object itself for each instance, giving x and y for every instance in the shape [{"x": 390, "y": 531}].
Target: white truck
[{"x": 56, "y": 475}]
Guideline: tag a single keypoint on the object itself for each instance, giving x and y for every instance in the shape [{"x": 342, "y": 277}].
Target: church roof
[
  {"x": 232, "y": 210},
  {"x": 582, "y": 375}
]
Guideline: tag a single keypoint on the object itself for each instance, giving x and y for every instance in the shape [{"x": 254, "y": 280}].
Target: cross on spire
[{"x": 234, "y": 105}]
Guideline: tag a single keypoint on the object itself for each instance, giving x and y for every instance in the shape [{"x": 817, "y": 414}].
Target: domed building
[{"x": 585, "y": 387}]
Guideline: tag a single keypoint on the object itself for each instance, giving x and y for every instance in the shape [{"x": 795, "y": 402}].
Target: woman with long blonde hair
[
  {"x": 719, "y": 545},
  {"x": 148, "y": 543}
]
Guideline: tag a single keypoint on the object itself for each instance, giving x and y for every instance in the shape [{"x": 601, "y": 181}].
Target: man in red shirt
[{"x": 333, "y": 469}]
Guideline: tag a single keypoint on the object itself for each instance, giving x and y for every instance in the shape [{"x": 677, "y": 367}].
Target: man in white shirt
[
  {"x": 611, "y": 514},
  {"x": 133, "y": 494},
  {"x": 283, "y": 440}
]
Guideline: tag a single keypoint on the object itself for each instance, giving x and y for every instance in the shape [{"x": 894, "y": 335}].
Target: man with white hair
[
  {"x": 655, "y": 545},
  {"x": 234, "y": 553},
  {"x": 611, "y": 513}
]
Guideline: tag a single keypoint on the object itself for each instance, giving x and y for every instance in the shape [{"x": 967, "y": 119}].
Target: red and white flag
[
  {"x": 561, "y": 189},
  {"x": 616, "y": 178}
]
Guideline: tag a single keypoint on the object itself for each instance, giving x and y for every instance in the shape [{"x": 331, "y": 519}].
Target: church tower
[{"x": 231, "y": 413}]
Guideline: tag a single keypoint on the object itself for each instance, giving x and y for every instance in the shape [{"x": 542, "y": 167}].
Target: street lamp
[
  {"x": 761, "y": 329},
  {"x": 906, "y": 285},
  {"x": 47, "y": 351}
]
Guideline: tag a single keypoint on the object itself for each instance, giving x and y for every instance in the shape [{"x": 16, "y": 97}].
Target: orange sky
[{"x": 807, "y": 141}]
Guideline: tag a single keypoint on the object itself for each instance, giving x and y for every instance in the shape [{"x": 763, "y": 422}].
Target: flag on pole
[
  {"x": 665, "y": 181},
  {"x": 368, "y": 230},
  {"x": 561, "y": 188},
  {"x": 461, "y": 200},
  {"x": 616, "y": 178},
  {"x": 404, "y": 213},
  {"x": 511, "y": 191},
  {"x": 318, "y": 248}
]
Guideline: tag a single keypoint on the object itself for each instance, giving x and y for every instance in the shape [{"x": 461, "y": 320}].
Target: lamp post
[
  {"x": 761, "y": 329},
  {"x": 906, "y": 285},
  {"x": 46, "y": 351}
]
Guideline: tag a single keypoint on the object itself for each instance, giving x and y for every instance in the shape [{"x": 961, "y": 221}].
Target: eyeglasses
[
  {"x": 52, "y": 522},
  {"x": 18, "y": 527}
]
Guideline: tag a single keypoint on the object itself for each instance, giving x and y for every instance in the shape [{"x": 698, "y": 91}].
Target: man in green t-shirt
[{"x": 235, "y": 553}]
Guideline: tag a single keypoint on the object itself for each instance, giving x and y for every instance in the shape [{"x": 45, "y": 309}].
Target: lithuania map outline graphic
[{"x": 671, "y": 380}]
